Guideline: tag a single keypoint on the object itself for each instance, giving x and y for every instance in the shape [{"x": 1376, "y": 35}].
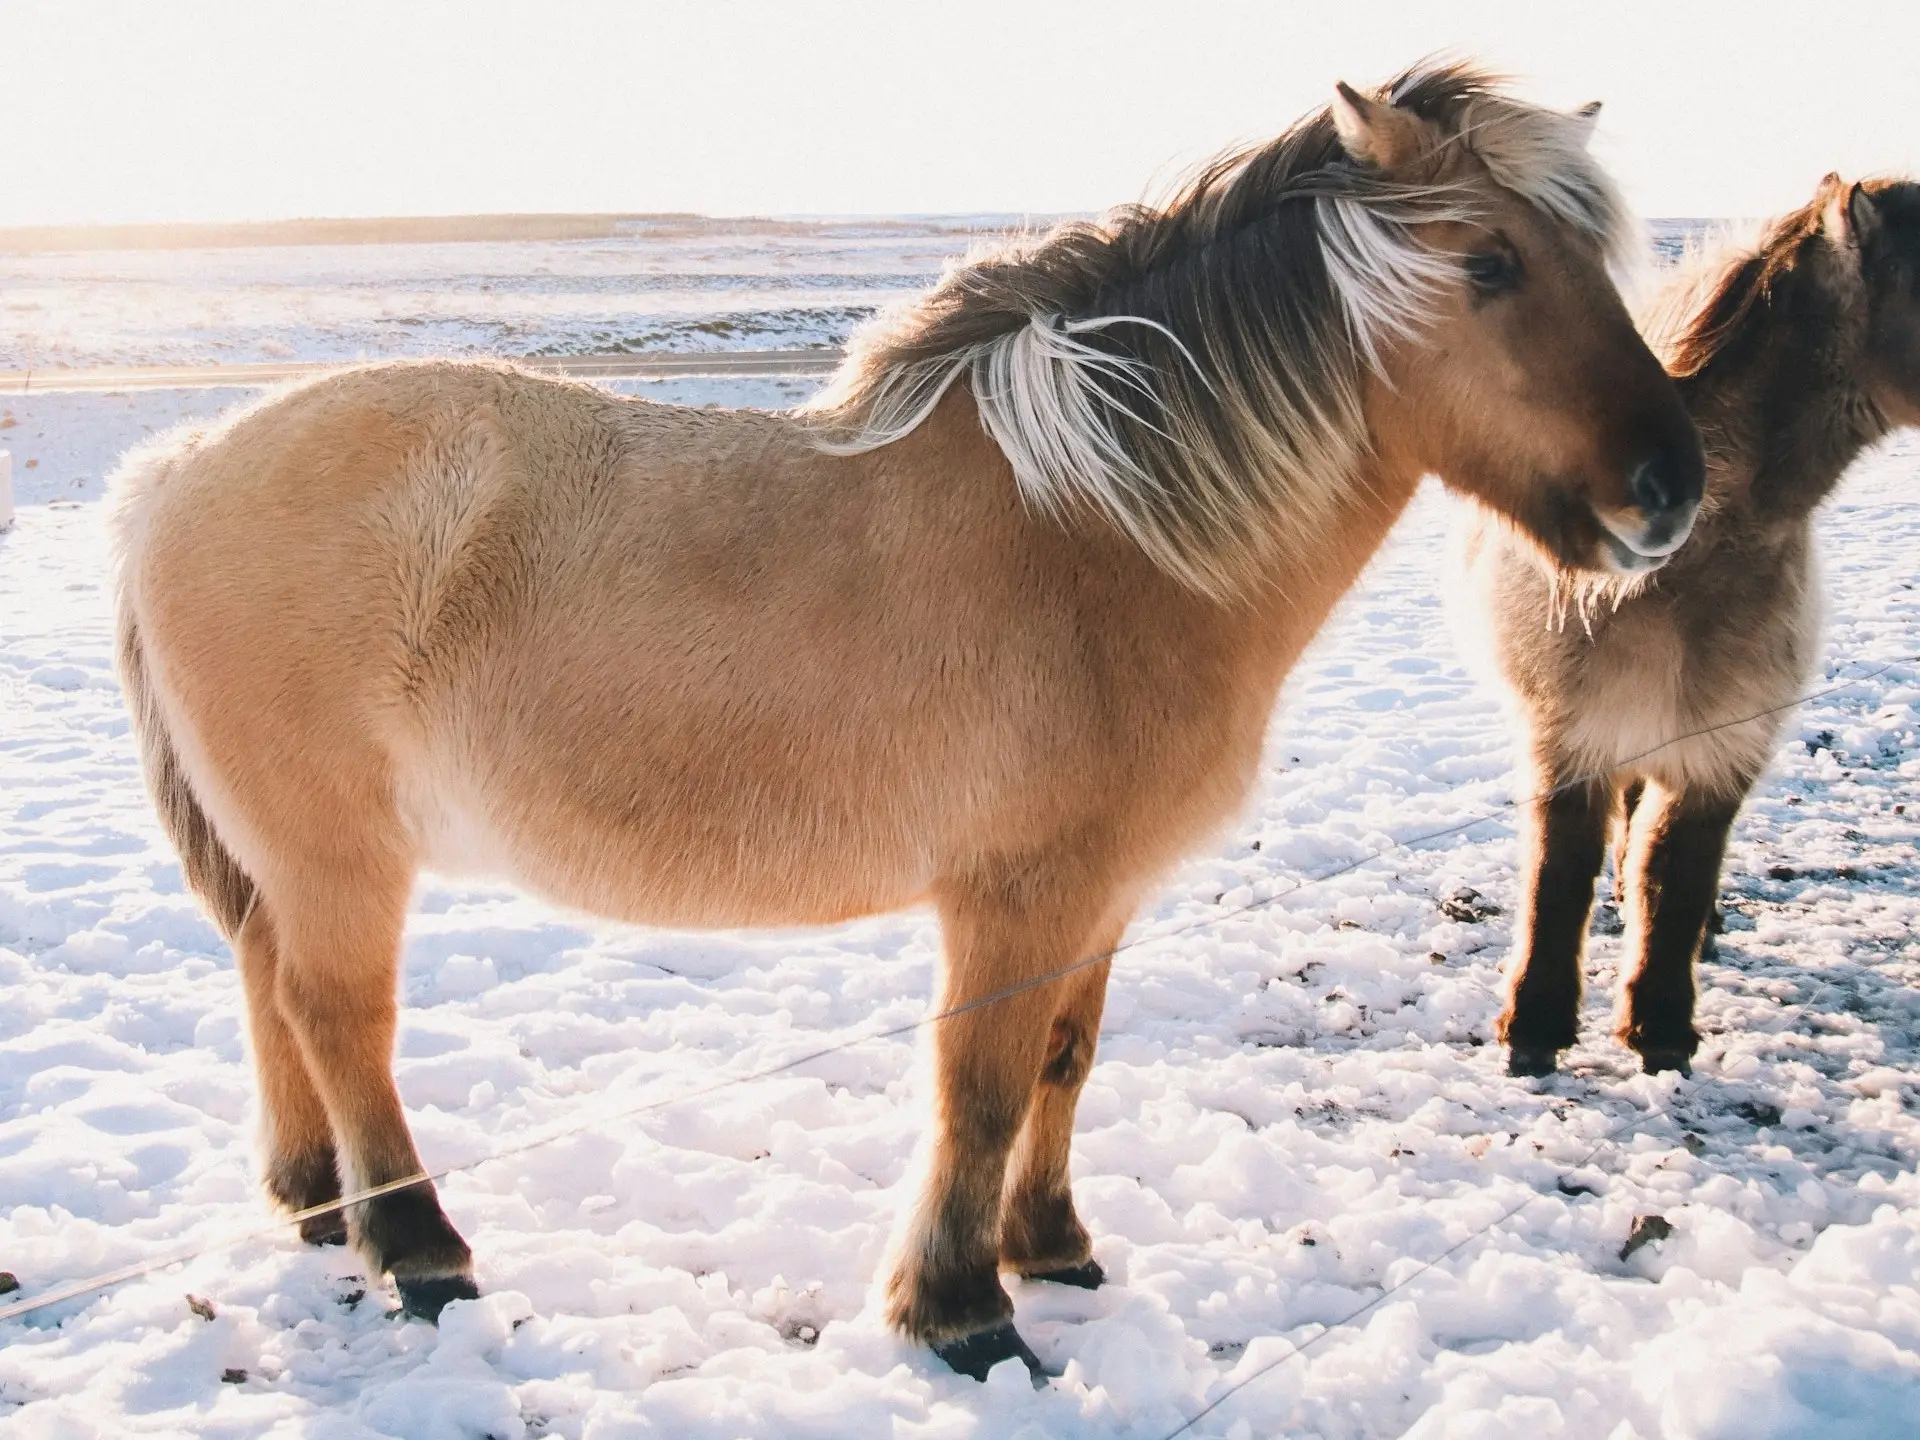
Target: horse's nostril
[
  {"x": 1669, "y": 481},
  {"x": 1666, "y": 489},
  {"x": 1653, "y": 488}
]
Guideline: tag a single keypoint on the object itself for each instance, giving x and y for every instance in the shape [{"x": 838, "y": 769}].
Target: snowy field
[
  {"x": 1297, "y": 1108},
  {"x": 662, "y": 286}
]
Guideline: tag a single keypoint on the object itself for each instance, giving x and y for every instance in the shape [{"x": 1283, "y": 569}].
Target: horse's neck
[
  {"x": 1191, "y": 666},
  {"x": 1289, "y": 609},
  {"x": 1785, "y": 416},
  {"x": 1215, "y": 656}
]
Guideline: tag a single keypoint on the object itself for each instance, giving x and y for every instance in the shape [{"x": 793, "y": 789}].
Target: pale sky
[{"x": 261, "y": 109}]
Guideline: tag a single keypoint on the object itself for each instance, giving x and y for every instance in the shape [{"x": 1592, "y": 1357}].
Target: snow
[
  {"x": 661, "y": 288},
  {"x": 1297, "y": 1110}
]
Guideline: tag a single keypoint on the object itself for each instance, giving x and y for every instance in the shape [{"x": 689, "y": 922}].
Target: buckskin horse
[{"x": 996, "y": 625}]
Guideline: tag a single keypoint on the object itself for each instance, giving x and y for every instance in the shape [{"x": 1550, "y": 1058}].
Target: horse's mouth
[
  {"x": 1620, "y": 558},
  {"x": 1643, "y": 548}
]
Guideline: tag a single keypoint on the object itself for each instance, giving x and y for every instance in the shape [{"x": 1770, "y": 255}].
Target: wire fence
[
  {"x": 1495, "y": 813},
  {"x": 1387, "y": 1292}
]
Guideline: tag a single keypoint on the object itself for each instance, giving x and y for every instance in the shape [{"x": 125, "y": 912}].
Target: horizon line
[{"x": 508, "y": 226}]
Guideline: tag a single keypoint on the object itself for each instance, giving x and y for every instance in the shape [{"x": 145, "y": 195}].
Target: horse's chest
[
  {"x": 1678, "y": 702},
  {"x": 1624, "y": 692}
]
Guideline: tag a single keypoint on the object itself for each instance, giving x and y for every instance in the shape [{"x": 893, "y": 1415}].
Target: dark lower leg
[
  {"x": 336, "y": 987},
  {"x": 946, "y": 1284},
  {"x": 1040, "y": 1234},
  {"x": 304, "y": 1181},
  {"x": 1565, "y": 843},
  {"x": 1678, "y": 844},
  {"x": 300, "y": 1169},
  {"x": 945, "y": 1289}
]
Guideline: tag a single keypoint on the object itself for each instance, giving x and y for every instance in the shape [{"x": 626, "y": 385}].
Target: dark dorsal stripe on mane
[
  {"x": 1190, "y": 370},
  {"x": 1743, "y": 284},
  {"x": 1735, "y": 307}
]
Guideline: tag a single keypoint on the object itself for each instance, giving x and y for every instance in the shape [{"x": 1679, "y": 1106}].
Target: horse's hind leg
[
  {"x": 1000, "y": 933},
  {"x": 1041, "y": 1236},
  {"x": 301, "y": 1169},
  {"x": 338, "y": 928},
  {"x": 1566, "y": 844},
  {"x": 1679, "y": 840}
]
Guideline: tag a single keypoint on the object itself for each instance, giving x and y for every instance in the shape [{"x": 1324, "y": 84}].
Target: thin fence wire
[
  {"x": 233, "y": 1240},
  {"x": 1294, "y": 1352}
]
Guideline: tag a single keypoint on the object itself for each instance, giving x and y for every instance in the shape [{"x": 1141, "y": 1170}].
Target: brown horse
[
  {"x": 1803, "y": 352},
  {"x": 996, "y": 626}
]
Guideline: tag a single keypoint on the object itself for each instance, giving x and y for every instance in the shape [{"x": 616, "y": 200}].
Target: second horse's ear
[
  {"x": 1372, "y": 132},
  {"x": 1852, "y": 215},
  {"x": 1863, "y": 213}
]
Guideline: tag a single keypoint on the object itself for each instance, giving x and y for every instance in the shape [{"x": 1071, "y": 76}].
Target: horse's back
[
  {"x": 424, "y": 486},
  {"x": 634, "y": 655},
  {"x": 331, "y": 581}
]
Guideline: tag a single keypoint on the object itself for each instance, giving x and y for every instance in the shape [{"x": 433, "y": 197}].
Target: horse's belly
[
  {"x": 456, "y": 836},
  {"x": 680, "y": 870}
]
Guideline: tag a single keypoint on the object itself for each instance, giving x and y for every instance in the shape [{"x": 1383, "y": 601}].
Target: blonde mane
[{"x": 1189, "y": 372}]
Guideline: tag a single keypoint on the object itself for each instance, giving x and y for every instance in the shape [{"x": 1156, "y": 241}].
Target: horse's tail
[{"x": 210, "y": 869}]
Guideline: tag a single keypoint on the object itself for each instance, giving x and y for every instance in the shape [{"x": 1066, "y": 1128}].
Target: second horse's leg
[
  {"x": 1625, "y": 804},
  {"x": 1566, "y": 843},
  {"x": 1679, "y": 840}
]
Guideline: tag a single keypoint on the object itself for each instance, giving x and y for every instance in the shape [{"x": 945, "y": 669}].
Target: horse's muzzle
[
  {"x": 1632, "y": 543},
  {"x": 1666, "y": 493}
]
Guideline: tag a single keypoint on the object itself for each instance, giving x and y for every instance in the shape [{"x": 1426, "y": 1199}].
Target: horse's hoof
[
  {"x": 974, "y": 1355},
  {"x": 324, "y": 1230},
  {"x": 1085, "y": 1276},
  {"x": 425, "y": 1298},
  {"x": 1654, "y": 1061},
  {"x": 1532, "y": 1064}
]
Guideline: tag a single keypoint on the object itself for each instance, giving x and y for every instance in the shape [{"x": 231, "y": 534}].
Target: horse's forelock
[{"x": 1542, "y": 156}]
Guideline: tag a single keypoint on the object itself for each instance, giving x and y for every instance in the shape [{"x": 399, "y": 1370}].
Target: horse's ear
[
  {"x": 1863, "y": 213},
  {"x": 1586, "y": 117},
  {"x": 1371, "y": 132},
  {"x": 1851, "y": 215}
]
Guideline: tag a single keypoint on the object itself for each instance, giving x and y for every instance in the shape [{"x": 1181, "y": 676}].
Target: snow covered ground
[
  {"x": 690, "y": 285},
  {"x": 1296, "y": 1108},
  {"x": 668, "y": 285}
]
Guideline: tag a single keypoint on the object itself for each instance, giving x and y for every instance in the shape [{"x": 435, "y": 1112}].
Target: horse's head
[
  {"x": 1526, "y": 385},
  {"x": 1878, "y": 221}
]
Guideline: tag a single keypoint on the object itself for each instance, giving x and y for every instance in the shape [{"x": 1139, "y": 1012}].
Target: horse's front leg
[
  {"x": 1565, "y": 843},
  {"x": 1626, "y": 804},
  {"x": 1673, "y": 860},
  {"x": 1041, "y": 1236},
  {"x": 1001, "y": 931}
]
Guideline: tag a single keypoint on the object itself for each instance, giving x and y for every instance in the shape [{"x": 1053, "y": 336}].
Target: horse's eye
[{"x": 1493, "y": 272}]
